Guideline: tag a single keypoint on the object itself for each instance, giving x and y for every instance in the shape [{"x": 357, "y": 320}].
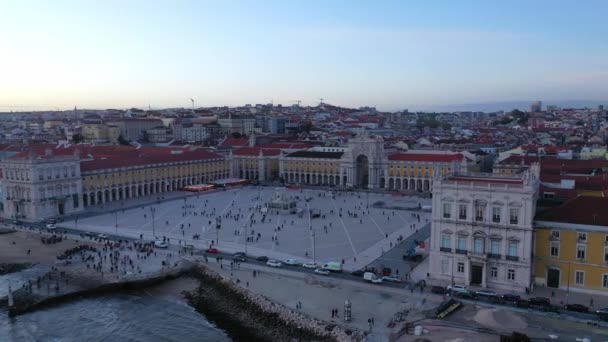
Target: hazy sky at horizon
[{"x": 392, "y": 54}]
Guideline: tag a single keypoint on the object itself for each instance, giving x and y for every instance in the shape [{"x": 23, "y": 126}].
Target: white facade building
[
  {"x": 39, "y": 187},
  {"x": 481, "y": 231}
]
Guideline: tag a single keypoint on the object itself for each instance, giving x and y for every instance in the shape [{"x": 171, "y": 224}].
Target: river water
[{"x": 129, "y": 317}]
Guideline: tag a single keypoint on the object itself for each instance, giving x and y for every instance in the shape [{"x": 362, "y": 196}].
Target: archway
[{"x": 362, "y": 171}]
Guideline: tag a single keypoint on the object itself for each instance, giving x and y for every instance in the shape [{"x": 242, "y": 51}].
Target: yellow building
[
  {"x": 571, "y": 246},
  {"x": 100, "y": 133}
]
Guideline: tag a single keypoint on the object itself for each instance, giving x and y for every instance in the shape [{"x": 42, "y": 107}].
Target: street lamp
[{"x": 153, "y": 210}]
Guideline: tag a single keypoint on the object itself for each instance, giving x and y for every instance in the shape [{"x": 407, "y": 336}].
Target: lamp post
[{"x": 153, "y": 210}]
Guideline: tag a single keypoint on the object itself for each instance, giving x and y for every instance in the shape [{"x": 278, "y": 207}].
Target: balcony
[
  {"x": 493, "y": 256},
  {"x": 462, "y": 251},
  {"x": 445, "y": 249},
  {"x": 462, "y": 217},
  {"x": 512, "y": 258},
  {"x": 554, "y": 238}
]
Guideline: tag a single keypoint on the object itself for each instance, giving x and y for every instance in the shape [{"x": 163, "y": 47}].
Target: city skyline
[{"x": 393, "y": 56}]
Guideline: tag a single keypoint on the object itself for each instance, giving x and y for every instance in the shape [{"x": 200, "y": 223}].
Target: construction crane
[{"x": 298, "y": 101}]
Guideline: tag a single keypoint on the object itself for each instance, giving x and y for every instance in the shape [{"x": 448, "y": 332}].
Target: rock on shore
[{"x": 250, "y": 317}]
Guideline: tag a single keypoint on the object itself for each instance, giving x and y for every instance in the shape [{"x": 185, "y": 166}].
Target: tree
[
  {"x": 123, "y": 141},
  {"x": 77, "y": 138}
]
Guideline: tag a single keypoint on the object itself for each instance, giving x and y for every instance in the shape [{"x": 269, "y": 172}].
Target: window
[
  {"x": 513, "y": 248},
  {"x": 605, "y": 281},
  {"x": 479, "y": 209},
  {"x": 579, "y": 278},
  {"x": 447, "y": 209},
  {"x": 555, "y": 234},
  {"x": 513, "y": 216},
  {"x": 605, "y": 254},
  {"x": 494, "y": 272},
  {"x": 462, "y": 212},
  {"x": 581, "y": 252},
  {"x": 478, "y": 245},
  {"x": 511, "y": 274},
  {"x": 496, "y": 214},
  {"x": 446, "y": 241},
  {"x": 554, "y": 252},
  {"x": 462, "y": 243},
  {"x": 445, "y": 266},
  {"x": 495, "y": 246},
  {"x": 582, "y": 237},
  {"x": 460, "y": 267}
]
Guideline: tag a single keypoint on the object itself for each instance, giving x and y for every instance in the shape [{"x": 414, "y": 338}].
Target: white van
[
  {"x": 371, "y": 277},
  {"x": 333, "y": 266}
]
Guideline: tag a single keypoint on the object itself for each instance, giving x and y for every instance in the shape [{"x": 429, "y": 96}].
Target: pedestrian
[{"x": 591, "y": 302}]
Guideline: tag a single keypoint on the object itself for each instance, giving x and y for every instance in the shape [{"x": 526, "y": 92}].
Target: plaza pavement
[{"x": 356, "y": 240}]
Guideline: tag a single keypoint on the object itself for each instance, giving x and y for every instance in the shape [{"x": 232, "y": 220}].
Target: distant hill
[{"x": 510, "y": 105}]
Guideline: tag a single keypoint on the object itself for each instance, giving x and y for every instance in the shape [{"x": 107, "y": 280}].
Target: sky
[{"x": 390, "y": 54}]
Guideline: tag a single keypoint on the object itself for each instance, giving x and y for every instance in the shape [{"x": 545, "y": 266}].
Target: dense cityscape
[{"x": 303, "y": 171}]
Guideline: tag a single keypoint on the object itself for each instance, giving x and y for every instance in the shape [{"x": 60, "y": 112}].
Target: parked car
[
  {"x": 262, "y": 258},
  {"x": 310, "y": 265},
  {"x": 486, "y": 295},
  {"x": 274, "y": 263},
  {"x": 539, "y": 301},
  {"x": 89, "y": 234},
  {"x": 161, "y": 244},
  {"x": 576, "y": 307},
  {"x": 51, "y": 226},
  {"x": 212, "y": 250},
  {"x": 438, "y": 290},
  {"x": 291, "y": 262},
  {"x": 392, "y": 279},
  {"x": 457, "y": 289},
  {"x": 103, "y": 236},
  {"x": 357, "y": 273},
  {"x": 511, "y": 298},
  {"x": 321, "y": 271}
]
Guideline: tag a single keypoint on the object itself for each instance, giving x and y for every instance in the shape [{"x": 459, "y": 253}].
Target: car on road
[
  {"x": 539, "y": 301},
  {"x": 89, "y": 234},
  {"x": 392, "y": 279},
  {"x": 51, "y": 226},
  {"x": 321, "y": 271},
  {"x": 239, "y": 256},
  {"x": 457, "y": 289},
  {"x": 438, "y": 290},
  {"x": 310, "y": 265},
  {"x": 274, "y": 263},
  {"x": 292, "y": 262},
  {"x": 212, "y": 250},
  {"x": 376, "y": 280},
  {"x": 511, "y": 298},
  {"x": 161, "y": 244},
  {"x": 357, "y": 273},
  {"x": 576, "y": 307},
  {"x": 262, "y": 258},
  {"x": 103, "y": 236},
  {"x": 603, "y": 311}
]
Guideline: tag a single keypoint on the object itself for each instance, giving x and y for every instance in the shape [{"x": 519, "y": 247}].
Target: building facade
[
  {"x": 481, "y": 231},
  {"x": 41, "y": 186},
  {"x": 571, "y": 246},
  {"x": 49, "y": 181}
]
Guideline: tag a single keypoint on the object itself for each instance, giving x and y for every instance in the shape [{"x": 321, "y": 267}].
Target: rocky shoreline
[{"x": 246, "y": 316}]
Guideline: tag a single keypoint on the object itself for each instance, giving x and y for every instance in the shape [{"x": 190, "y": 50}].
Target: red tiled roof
[
  {"x": 580, "y": 210},
  {"x": 233, "y": 142},
  {"x": 108, "y": 157},
  {"x": 255, "y": 151},
  {"x": 426, "y": 157}
]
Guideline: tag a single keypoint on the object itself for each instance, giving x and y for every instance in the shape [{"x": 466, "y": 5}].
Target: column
[{"x": 483, "y": 275}]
